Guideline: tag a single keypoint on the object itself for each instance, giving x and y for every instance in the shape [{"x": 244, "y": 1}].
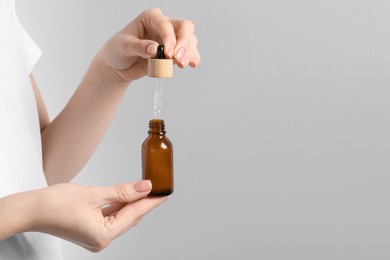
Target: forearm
[
  {"x": 69, "y": 141},
  {"x": 71, "y": 138},
  {"x": 16, "y": 213}
]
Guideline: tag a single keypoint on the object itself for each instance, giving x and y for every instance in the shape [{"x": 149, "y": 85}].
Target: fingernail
[
  {"x": 170, "y": 52},
  {"x": 151, "y": 49},
  {"x": 184, "y": 61},
  {"x": 143, "y": 186},
  {"x": 194, "y": 62},
  {"x": 179, "y": 53}
]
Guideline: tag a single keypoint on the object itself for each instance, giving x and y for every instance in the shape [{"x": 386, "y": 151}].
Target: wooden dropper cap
[{"x": 160, "y": 67}]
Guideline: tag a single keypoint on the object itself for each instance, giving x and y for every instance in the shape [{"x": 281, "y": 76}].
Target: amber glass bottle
[{"x": 157, "y": 159}]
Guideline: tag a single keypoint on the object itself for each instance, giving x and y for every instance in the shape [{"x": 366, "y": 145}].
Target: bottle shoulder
[{"x": 157, "y": 141}]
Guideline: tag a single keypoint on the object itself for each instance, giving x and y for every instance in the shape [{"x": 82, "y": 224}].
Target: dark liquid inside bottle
[{"x": 157, "y": 159}]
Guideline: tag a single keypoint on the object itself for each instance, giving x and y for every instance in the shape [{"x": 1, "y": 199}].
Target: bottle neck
[{"x": 156, "y": 127}]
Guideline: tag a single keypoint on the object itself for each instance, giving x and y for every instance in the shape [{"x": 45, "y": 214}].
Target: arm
[
  {"x": 74, "y": 212},
  {"x": 15, "y": 213},
  {"x": 69, "y": 141},
  {"x": 93, "y": 216},
  {"x": 42, "y": 112}
]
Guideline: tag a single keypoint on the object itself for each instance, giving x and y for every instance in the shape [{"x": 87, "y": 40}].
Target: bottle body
[{"x": 157, "y": 159}]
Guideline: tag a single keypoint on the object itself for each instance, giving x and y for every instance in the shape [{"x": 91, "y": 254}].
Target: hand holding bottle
[{"x": 89, "y": 216}]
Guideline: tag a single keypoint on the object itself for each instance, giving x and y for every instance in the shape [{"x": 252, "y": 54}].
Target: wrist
[
  {"x": 105, "y": 73},
  {"x": 17, "y": 213}
]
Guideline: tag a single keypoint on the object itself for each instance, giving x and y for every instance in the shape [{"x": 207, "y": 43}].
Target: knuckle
[
  {"x": 188, "y": 24},
  {"x": 122, "y": 193},
  {"x": 164, "y": 26},
  {"x": 139, "y": 47},
  {"x": 152, "y": 11}
]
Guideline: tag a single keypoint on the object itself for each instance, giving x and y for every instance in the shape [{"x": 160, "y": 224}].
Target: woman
[{"x": 35, "y": 152}]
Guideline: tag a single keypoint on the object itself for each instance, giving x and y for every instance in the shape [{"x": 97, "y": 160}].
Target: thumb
[
  {"x": 126, "y": 192},
  {"x": 142, "y": 48}
]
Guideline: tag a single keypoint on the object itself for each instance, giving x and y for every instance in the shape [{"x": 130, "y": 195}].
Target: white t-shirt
[{"x": 20, "y": 141}]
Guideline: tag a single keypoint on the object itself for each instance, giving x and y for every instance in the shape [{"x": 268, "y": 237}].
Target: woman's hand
[
  {"x": 90, "y": 216},
  {"x": 125, "y": 54},
  {"x": 70, "y": 139}
]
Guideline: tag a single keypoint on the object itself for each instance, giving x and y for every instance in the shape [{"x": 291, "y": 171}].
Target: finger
[
  {"x": 142, "y": 48},
  {"x": 111, "y": 208},
  {"x": 125, "y": 192},
  {"x": 185, "y": 56},
  {"x": 154, "y": 21},
  {"x": 195, "y": 60},
  {"x": 184, "y": 35},
  {"x": 131, "y": 214},
  {"x": 138, "y": 71}
]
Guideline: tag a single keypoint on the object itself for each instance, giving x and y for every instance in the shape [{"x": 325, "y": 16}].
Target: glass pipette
[{"x": 158, "y": 97}]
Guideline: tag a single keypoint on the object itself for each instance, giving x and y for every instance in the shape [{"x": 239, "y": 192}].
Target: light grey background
[{"x": 281, "y": 136}]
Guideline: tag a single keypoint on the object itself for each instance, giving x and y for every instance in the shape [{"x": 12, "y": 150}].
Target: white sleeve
[{"x": 30, "y": 50}]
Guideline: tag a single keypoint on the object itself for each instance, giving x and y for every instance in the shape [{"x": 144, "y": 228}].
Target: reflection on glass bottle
[{"x": 157, "y": 159}]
